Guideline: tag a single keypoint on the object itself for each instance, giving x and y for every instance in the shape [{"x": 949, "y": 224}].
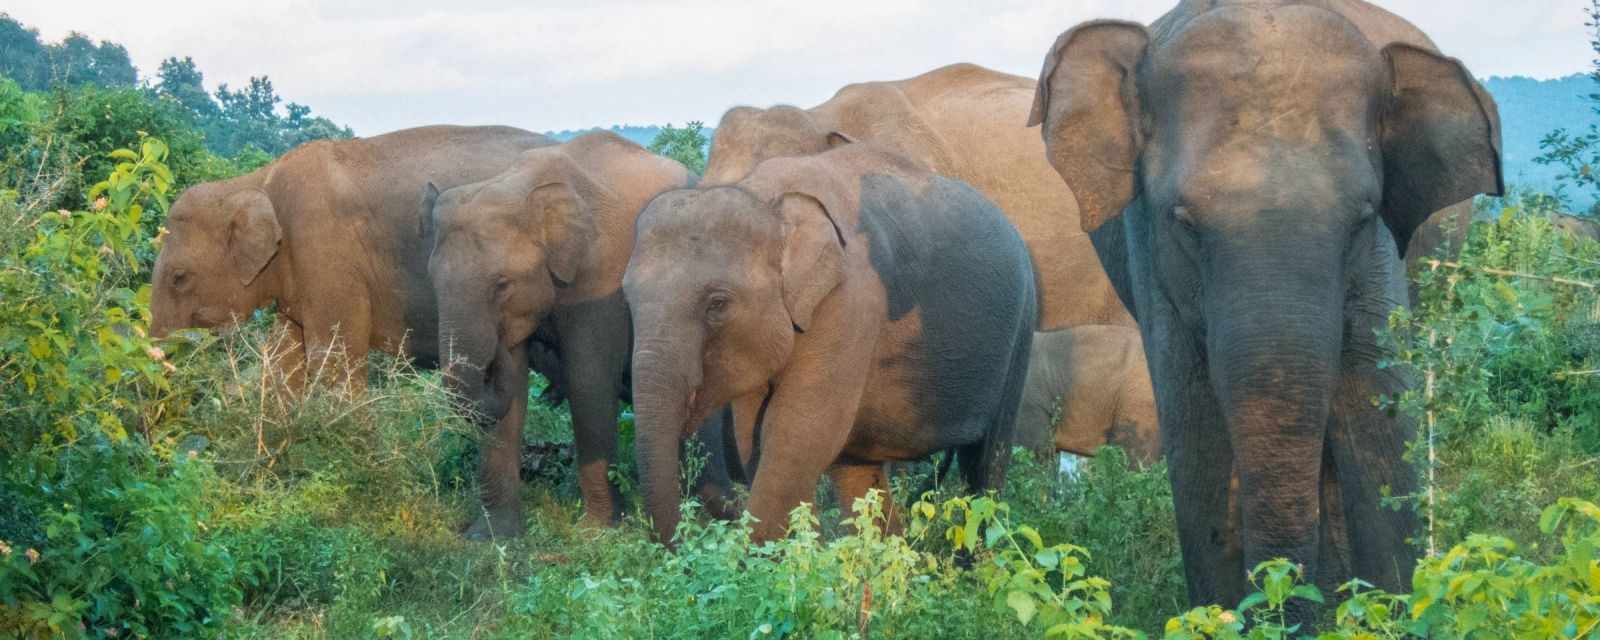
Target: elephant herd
[{"x": 1202, "y": 220}]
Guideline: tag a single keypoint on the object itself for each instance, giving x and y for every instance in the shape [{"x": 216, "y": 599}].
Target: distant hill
[
  {"x": 641, "y": 135},
  {"x": 1529, "y": 109}
]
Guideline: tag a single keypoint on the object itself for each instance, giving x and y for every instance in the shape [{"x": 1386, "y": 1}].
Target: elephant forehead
[{"x": 1278, "y": 53}]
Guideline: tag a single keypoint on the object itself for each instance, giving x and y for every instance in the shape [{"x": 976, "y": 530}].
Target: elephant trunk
[
  {"x": 666, "y": 379},
  {"x": 475, "y": 364},
  {"x": 1275, "y": 329}
]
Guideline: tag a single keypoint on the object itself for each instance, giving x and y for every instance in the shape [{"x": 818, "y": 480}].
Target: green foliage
[
  {"x": 74, "y": 358},
  {"x": 1121, "y": 513},
  {"x": 114, "y": 543},
  {"x": 687, "y": 145},
  {"x": 1481, "y": 588},
  {"x": 76, "y": 60}
]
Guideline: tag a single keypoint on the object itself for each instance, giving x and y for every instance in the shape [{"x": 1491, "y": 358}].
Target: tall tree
[
  {"x": 182, "y": 81},
  {"x": 22, "y": 56},
  {"x": 113, "y": 67}
]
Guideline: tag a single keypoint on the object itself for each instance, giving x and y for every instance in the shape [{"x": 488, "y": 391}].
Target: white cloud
[{"x": 380, "y": 65}]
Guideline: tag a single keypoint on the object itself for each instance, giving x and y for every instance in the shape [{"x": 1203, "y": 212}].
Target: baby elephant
[
  {"x": 541, "y": 248},
  {"x": 1089, "y": 387},
  {"x": 853, "y": 307}
]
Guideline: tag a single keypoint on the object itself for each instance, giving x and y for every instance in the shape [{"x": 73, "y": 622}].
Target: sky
[{"x": 380, "y": 65}]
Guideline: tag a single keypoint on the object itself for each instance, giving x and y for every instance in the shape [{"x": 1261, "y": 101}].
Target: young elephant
[
  {"x": 544, "y": 242},
  {"x": 853, "y": 307},
  {"x": 1088, "y": 387},
  {"x": 328, "y": 232}
]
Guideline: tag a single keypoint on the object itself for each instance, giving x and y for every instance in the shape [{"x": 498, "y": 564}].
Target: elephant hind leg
[{"x": 853, "y": 481}]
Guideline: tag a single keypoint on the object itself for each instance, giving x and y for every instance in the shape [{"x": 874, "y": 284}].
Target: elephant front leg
[
  {"x": 500, "y": 459},
  {"x": 805, "y": 427},
  {"x": 284, "y": 357},
  {"x": 1200, "y": 466},
  {"x": 594, "y": 352}
]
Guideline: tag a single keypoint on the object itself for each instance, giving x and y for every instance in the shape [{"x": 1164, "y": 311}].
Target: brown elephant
[
  {"x": 328, "y": 232},
  {"x": 542, "y": 247},
  {"x": 853, "y": 307},
  {"x": 961, "y": 121},
  {"x": 1088, "y": 387},
  {"x": 1260, "y": 168},
  {"x": 1580, "y": 227}
]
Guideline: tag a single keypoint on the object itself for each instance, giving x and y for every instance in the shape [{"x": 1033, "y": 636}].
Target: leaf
[
  {"x": 1252, "y": 601},
  {"x": 1032, "y": 535},
  {"x": 1023, "y": 604},
  {"x": 1307, "y": 592}
]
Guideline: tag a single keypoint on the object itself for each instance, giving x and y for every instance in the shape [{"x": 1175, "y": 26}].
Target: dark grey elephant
[{"x": 1269, "y": 162}]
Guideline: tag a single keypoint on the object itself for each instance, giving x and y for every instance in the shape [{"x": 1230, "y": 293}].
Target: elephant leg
[
  {"x": 804, "y": 428},
  {"x": 285, "y": 356},
  {"x": 1200, "y": 466},
  {"x": 500, "y": 460},
  {"x": 852, "y": 481},
  {"x": 1368, "y": 449},
  {"x": 594, "y": 354},
  {"x": 336, "y": 347}
]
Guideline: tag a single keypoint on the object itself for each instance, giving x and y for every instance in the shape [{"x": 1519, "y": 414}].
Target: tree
[
  {"x": 113, "y": 67},
  {"x": 182, "y": 81},
  {"x": 1579, "y": 153},
  {"x": 687, "y": 145},
  {"x": 22, "y": 55}
]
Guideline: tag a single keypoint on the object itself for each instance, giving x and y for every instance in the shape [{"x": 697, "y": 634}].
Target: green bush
[
  {"x": 1481, "y": 588},
  {"x": 111, "y": 540}
]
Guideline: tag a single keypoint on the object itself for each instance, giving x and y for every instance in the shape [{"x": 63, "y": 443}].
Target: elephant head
[
  {"x": 502, "y": 249},
  {"x": 213, "y": 265},
  {"x": 1271, "y": 164},
  {"x": 748, "y": 136},
  {"x": 719, "y": 282}
]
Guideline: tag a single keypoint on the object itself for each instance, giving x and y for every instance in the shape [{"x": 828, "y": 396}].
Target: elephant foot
[{"x": 492, "y": 526}]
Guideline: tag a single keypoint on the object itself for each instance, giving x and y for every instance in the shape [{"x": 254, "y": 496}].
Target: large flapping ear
[
  {"x": 253, "y": 234},
  {"x": 430, "y": 199},
  {"x": 567, "y": 228},
  {"x": 1441, "y": 139},
  {"x": 813, "y": 255},
  {"x": 1087, "y": 99}
]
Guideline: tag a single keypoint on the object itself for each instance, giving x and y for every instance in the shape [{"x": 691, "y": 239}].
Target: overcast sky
[{"x": 379, "y": 65}]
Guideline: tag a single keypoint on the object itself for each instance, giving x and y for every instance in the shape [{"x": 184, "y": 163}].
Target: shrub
[{"x": 112, "y": 540}]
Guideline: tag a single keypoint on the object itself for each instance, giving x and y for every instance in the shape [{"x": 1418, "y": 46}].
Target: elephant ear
[
  {"x": 567, "y": 229},
  {"x": 1088, "y": 102},
  {"x": 1441, "y": 139},
  {"x": 430, "y": 199},
  {"x": 813, "y": 255},
  {"x": 253, "y": 234}
]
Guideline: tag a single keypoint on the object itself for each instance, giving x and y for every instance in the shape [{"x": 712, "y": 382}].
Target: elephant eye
[
  {"x": 180, "y": 278},
  {"x": 501, "y": 284},
  {"x": 1183, "y": 216},
  {"x": 717, "y": 306}
]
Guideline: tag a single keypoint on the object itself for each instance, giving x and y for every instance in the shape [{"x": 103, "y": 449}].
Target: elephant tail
[{"x": 986, "y": 470}]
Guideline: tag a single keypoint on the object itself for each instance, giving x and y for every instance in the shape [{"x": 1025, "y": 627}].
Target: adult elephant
[
  {"x": 328, "y": 232},
  {"x": 1089, "y": 387},
  {"x": 961, "y": 121},
  {"x": 542, "y": 248},
  {"x": 1579, "y": 227},
  {"x": 1270, "y": 161},
  {"x": 853, "y": 308}
]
